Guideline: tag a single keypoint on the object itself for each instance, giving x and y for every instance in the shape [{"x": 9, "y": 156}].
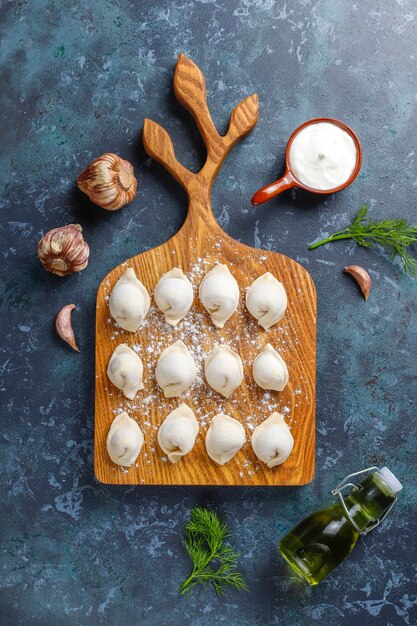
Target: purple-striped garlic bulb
[
  {"x": 109, "y": 182},
  {"x": 63, "y": 250}
]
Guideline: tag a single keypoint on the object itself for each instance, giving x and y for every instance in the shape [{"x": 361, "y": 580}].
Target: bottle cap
[{"x": 391, "y": 480}]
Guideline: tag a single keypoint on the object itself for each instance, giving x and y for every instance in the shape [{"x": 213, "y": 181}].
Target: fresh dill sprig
[
  {"x": 398, "y": 235},
  {"x": 214, "y": 560}
]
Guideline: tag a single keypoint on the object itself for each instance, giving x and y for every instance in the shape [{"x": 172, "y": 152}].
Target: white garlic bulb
[
  {"x": 272, "y": 441},
  {"x": 124, "y": 440},
  {"x": 224, "y": 438},
  {"x": 175, "y": 370},
  {"x": 177, "y": 433},
  {"x": 174, "y": 295},
  {"x": 129, "y": 301},
  {"x": 223, "y": 370},
  {"x": 219, "y": 294},
  {"x": 266, "y": 300},
  {"x": 125, "y": 370},
  {"x": 270, "y": 370}
]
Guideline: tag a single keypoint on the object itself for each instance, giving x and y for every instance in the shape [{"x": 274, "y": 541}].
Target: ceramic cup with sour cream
[{"x": 323, "y": 156}]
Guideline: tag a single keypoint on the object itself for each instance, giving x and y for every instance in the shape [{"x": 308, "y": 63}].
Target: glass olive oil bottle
[{"x": 323, "y": 540}]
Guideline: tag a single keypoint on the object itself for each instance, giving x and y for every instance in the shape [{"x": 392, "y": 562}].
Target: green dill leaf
[
  {"x": 396, "y": 235},
  {"x": 361, "y": 216},
  {"x": 213, "y": 560}
]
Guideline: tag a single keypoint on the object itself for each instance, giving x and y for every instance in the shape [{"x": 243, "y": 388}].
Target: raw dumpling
[
  {"x": 177, "y": 433},
  {"x": 124, "y": 441},
  {"x": 125, "y": 370},
  {"x": 266, "y": 300},
  {"x": 224, "y": 438},
  {"x": 174, "y": 295},
  {"x": 129, "y": 301},
  {"x": 175, "y": 370},
  {"x": 223, "y": 369},
  {"x": 270, "y": 370},
  {"x": 219, "y": 294},
  {"x": 272, "y": 441}
]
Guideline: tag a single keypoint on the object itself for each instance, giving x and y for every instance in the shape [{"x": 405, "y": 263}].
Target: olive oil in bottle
[{"x": 323, "y": 540}]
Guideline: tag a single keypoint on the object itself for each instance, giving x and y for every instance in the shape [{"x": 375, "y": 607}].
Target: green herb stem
[
  {"x": 334, "y": 237},
  {"x": 397, "y": 235},
  {"x": 188, "y": 582}
]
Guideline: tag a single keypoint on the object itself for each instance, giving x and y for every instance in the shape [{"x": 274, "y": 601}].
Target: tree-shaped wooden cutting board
[{"x": 196, "y": 248}]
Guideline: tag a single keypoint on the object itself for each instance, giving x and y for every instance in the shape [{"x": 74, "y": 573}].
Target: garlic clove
[
  {"x": 63, "y": 250},
  {"x": 109, "y": 182},
  {"x": 362, "y": 278},
  {"x": 64, "y": 327}
]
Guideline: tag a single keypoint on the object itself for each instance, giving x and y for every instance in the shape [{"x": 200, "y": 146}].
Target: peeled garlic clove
[
  {"x": 63, "y": 325},
  {"x": 109, "y": 182},
  {"x": 63, "y": 250},
  {"x": 362, "y": 278}
]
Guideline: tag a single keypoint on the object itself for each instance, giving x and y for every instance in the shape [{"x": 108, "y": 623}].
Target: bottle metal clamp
[{"x": 344, "y": 484}]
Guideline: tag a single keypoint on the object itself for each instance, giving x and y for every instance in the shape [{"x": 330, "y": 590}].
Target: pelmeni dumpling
[
  {"x": 270, "y": 370},
  {"x": 224, "y": 370},
  {"x": 266, "y": 300},
  {"x": 174, "y": 295},
  {"x": 125, "y": 370},
  {"x": 175, "y": 370},
  {"x": 124, "y": 440},
  {"x": 177, "y": 433},
  {"x": 219, "y": 294},
  {"x": 224, "y": 438},
  {"x": 129, "y": 301},
  {"x": 272, "y": 441}
]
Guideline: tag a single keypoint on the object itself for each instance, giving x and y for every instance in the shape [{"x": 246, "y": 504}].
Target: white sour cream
[{"x": 323, "y": 156}]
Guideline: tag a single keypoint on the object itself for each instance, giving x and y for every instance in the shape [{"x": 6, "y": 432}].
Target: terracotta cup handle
[{"x": 273, "y": 189}]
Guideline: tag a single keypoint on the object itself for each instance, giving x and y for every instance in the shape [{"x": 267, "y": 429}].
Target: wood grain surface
[{"x": 196, "y": 248}]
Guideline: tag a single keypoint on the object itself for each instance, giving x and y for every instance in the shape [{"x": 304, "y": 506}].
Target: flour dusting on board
[{"x": 241, "y": 333}]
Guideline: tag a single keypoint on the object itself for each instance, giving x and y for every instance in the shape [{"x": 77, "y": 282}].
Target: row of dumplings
[
  {"x": 176, "y": 371},
  {"x": 271, "y": 441},
  {"x": 129, "y": 301}
]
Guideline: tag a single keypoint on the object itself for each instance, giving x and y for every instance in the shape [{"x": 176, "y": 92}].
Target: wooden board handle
[{"x": 190, "y": 90}]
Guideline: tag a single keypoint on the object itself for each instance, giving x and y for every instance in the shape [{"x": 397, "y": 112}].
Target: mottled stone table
[{"x": 77, "y": 80}]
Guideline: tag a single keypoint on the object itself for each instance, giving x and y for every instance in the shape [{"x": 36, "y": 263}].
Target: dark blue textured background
[{"x": 77, "y": 79}]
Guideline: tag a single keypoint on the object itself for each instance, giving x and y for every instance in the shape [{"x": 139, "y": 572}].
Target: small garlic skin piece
[
  {"x": 63, "y": 250},
  {"x": 109, "y": 182},
  {"x": 362, "y": 278},
  {"x": 64, "y": 327}
]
